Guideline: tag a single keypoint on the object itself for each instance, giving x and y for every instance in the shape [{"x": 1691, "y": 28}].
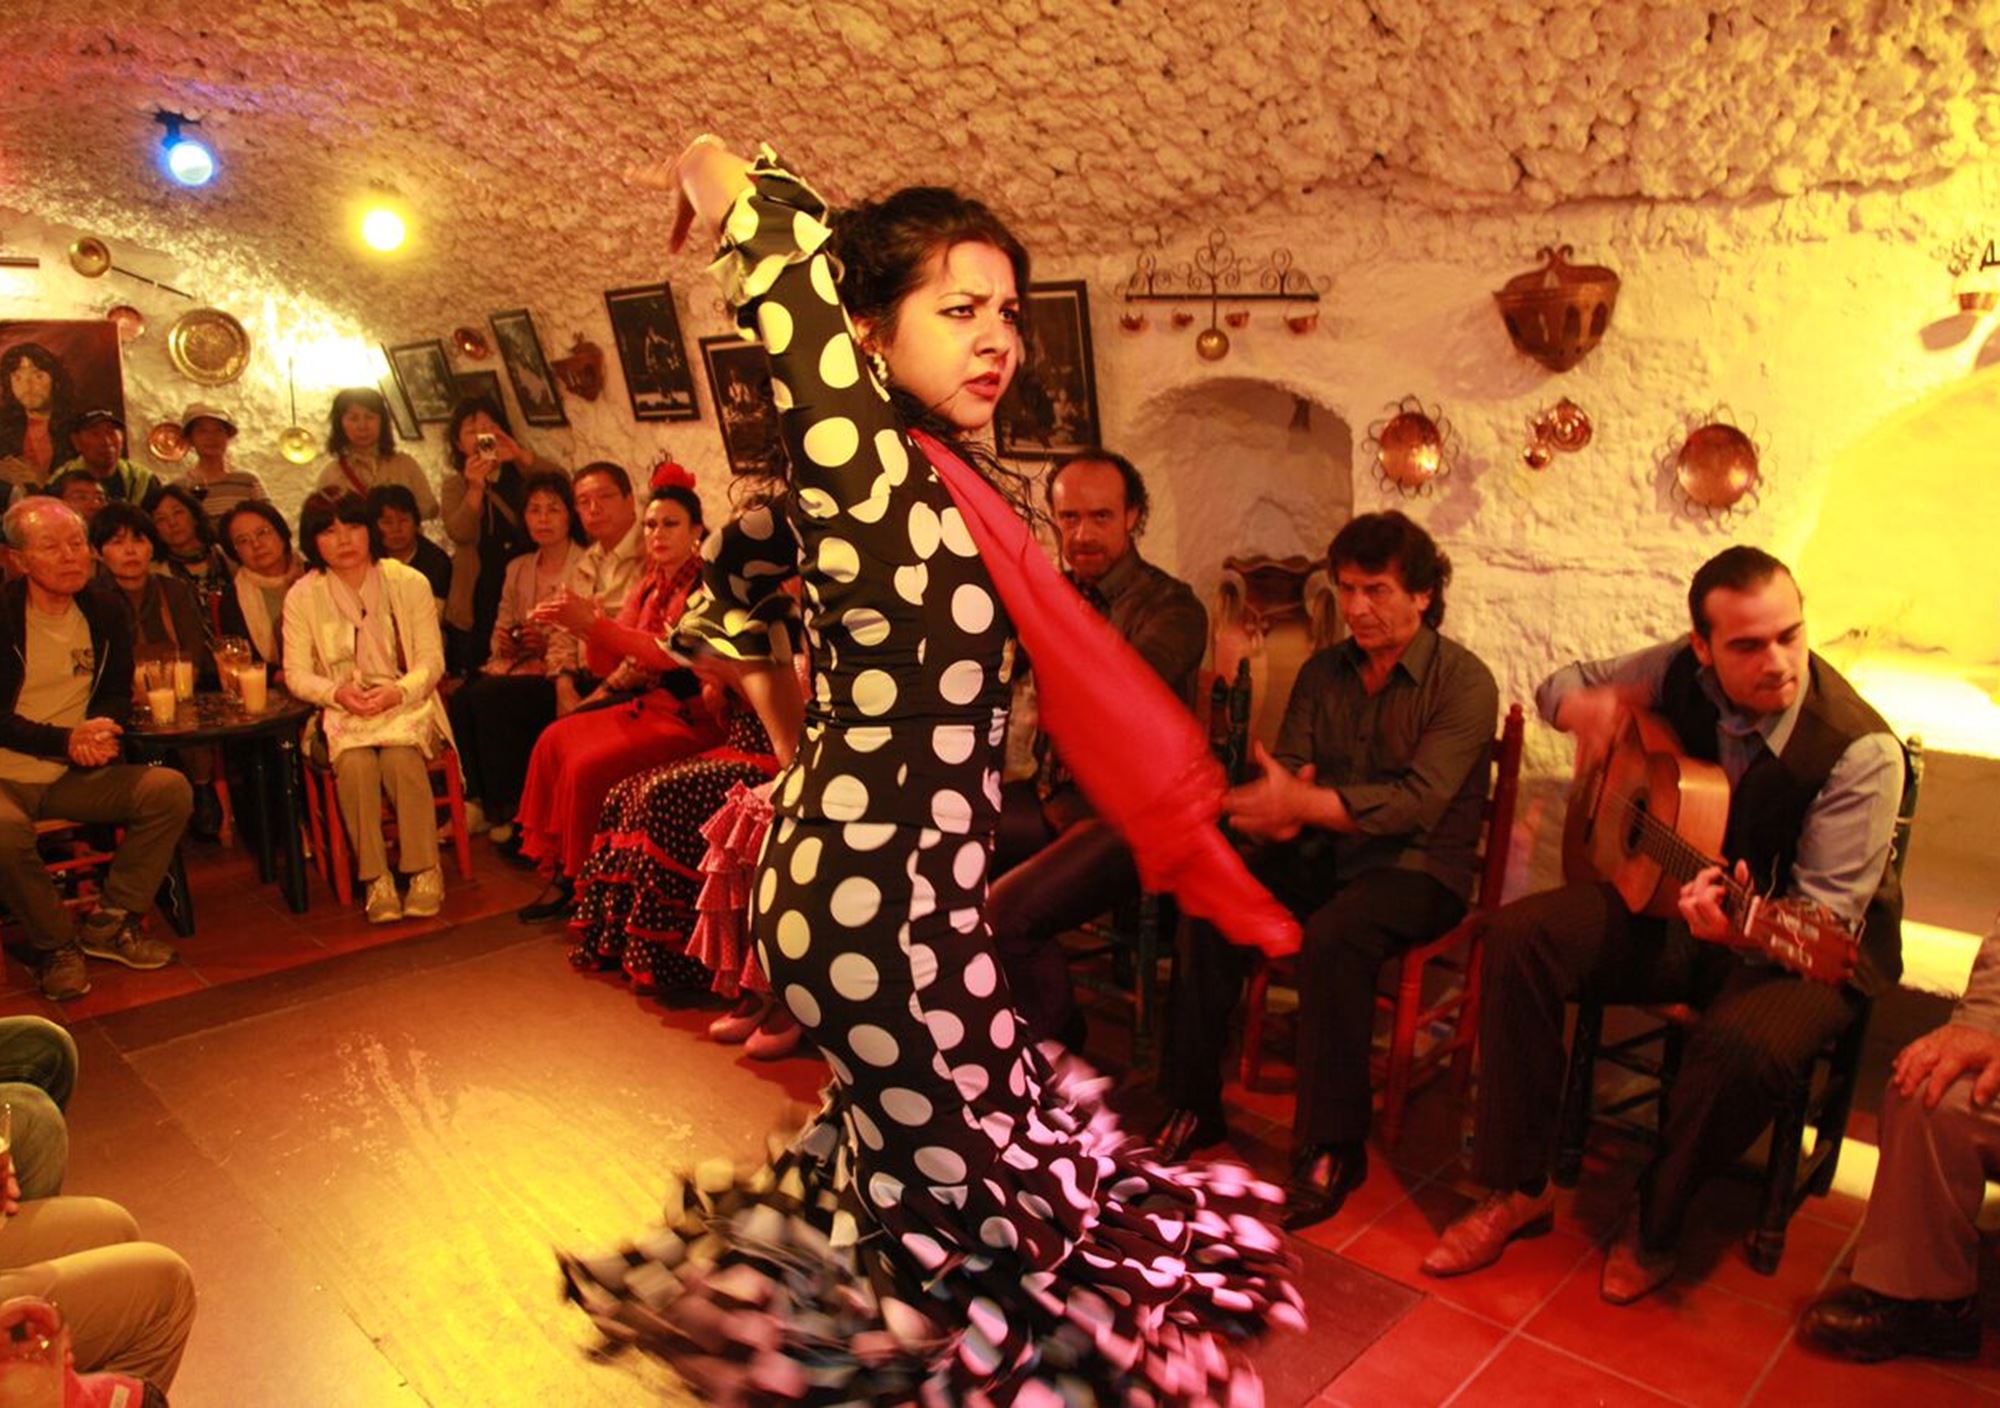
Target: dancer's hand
[
  {"x": 1273, "y": 807},
  {"x": 709, "y": 178}
]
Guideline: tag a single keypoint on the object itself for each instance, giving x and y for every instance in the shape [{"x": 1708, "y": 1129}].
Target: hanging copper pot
[
  {"x": 1566, "y": 426},
  {"x": 1413, "y": 447},
  {"x": 165, "y": 443},
  {"x": 90, "y": 257},
  {"x": 471, "y": 342},
  {"x": 131, "y": 322}
]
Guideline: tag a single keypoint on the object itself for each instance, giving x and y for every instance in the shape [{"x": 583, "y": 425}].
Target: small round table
[{"x": 220, "y": 718}]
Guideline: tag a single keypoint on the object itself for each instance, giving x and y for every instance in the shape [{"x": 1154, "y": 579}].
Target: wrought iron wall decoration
[
  {"x": 1563, "y": 428},
  {"x": 1975, "y": 273},
  {"x": 1558, "y": 312},
  {"x": 1216, "y": 275},
  {"x": 1413, "y": 447},
  {"x": 1715, "y": 471}
]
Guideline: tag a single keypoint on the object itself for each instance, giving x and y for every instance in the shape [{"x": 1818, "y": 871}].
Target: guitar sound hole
[{"x": 1637, "y": 828}]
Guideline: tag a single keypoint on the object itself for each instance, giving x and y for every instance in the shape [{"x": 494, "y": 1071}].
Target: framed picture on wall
[
  {"x": 739, "y": 378},
  {"x": 425, "y": 377},
  {"x": 521, "y": 352},
  {"x": 399, "y": 408},
  {"x": 50, "y": 373},
  {"x": 652, "y": 352},
  {"x": 1051, "y": 409},
  {"x": 480, "y": 384}
]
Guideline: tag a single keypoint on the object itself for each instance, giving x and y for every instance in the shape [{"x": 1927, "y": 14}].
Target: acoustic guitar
[{"x": 1648, "y": 818}]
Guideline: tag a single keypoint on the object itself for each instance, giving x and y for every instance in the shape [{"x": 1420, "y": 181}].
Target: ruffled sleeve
[
  {"x": 780, "y": 221},
  {"x": 742, "y": 593}
]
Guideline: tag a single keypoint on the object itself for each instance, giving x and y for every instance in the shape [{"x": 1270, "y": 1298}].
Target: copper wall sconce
[
  {"x": 1216, "y": 275},
  {"x": 1558, "y": 312},
  {"x": 1413, "y": 447},
  {"x": 582, "y": 371}
]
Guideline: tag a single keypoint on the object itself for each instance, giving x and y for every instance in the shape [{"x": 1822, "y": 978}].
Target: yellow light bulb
[{"x": 383, "y": 229}]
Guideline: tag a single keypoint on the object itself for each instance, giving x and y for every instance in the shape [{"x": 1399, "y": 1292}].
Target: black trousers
[
  {"x": 496, "y": 720},
  {"x": 1760, "y": 1028},
  {"x": 1349, "y": 930},
  {"x": 1057, "y": 869}
]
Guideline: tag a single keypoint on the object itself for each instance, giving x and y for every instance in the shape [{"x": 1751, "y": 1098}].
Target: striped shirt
[{"x": 221, "y": 496}]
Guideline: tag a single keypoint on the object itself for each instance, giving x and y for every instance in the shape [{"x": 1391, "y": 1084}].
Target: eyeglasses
[{"x": 261, "y": 533}]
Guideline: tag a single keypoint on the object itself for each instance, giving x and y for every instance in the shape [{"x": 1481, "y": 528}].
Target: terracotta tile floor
[{"x": 1531, "y": 1330}]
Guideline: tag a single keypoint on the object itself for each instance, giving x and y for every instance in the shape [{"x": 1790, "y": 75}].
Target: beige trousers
[
  {"x": 364, "y": 777},
  {"x": 1921, "y": 1240},
  {"x": 128, "y": 1304}
]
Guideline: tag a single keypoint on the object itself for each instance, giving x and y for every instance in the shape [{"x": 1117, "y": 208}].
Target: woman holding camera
[{"x": 485, "y": 498}]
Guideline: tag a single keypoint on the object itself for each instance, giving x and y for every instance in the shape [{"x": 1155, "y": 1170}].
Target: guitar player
[{"x": 1815, "y": 777}]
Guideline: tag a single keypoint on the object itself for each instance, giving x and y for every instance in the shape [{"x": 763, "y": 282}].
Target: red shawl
[{"x": 1144, "y": 763}]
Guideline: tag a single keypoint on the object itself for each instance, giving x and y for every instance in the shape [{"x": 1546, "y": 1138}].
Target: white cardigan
[{"x": 319, "y": 642}]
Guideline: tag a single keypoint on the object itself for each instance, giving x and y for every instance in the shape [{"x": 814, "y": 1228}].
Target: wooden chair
[
  {"x": 77, "y": 863},
  {"x": 1401, "y": 1068},
  {"x": 1822, "y": 1096},
  {"x": 330, "y": 834}
]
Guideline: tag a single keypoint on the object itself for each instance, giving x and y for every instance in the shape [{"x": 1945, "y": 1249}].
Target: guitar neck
[{"x": 1682, "y": 862}]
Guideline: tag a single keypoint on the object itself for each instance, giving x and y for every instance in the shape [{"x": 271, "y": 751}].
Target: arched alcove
[{"x": 1235, "y": 468}]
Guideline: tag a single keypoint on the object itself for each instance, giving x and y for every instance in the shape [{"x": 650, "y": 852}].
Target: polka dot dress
[
  {"x": 963, "y": 1222},
  {"x": 636, "y": 893}
]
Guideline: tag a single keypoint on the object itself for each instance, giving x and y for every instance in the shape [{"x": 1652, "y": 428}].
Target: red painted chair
[
  {"x": 1402, "y": 1068},
  {"x": 329, "y": 834}
]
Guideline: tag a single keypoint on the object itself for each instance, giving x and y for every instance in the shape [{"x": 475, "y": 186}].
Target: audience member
[
  {"x": 210, "y": 479},
  {"x": 166, "y": 619},
  {"x": 128, "y": 1304},
  {"x": 361, "y": 451},
  {"x": 1815, "y": 777},
  {"x": 605, "y": 577},
  {"x": 260, "y": 540},
  {"x": 66, "y": 688},
  {"x": 394, "y": 509},
  {"x": 361, "y": 641},
  {"x": 1055, "y": 863},
  {"x": 1371, "y": 809},
  {"x": 485, "y": 497},
  {"x": 496, "y": 714},
  {"x": 193, "y": 551},
  {"x": 81, "y": 490},
  {"x": 642, "y": 724},
  {"x": 98, "y": 439},
  {"x": 1915, "y": 1287}
]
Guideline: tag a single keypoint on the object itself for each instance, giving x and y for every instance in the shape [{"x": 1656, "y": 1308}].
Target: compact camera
[{"x": 483, "y": 442}]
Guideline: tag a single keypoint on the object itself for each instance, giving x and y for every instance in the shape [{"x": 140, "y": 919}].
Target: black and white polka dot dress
[{"x": 963, "y": 1222}]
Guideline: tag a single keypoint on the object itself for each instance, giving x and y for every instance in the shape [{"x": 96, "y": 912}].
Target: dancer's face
[{"x": 956, "y": 341}]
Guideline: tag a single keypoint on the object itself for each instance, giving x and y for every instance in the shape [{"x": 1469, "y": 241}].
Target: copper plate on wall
[
  {"x": 131, "y": 322},
  {"x": 1410, "y": 449},
  {"x": 165, "y": 443},
  {"x": 1717, "y": 466},
  {"x": 471, "y": 342},
  {"x": 208, "y": 346}
]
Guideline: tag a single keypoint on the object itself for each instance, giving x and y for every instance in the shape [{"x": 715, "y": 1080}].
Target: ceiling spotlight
[
  {"x": 187, "y": 159},
  {"x": 383, "y": 229}
]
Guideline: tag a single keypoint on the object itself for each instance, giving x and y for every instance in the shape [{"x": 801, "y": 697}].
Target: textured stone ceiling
[{"x": 502, "y": 124}]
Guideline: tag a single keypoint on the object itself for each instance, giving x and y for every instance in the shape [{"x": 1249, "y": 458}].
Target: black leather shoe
[
  {"x": 1857, "y": 1323},
  {"x": 1184, "y": 1132},
  {"x": 1321, "y": 1181},
  {"x": 555, "y": 902},
  {"x": 205, "y": 824}
]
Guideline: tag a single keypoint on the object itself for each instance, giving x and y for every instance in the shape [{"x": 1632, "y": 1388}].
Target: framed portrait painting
[
  {"x": 50, "y": 373},
  {"x": 1051, "y": 409},
  {"x": 652, "y": 353},
  {"x": 739, "y": 378},
  {"x": 481, "y": 384},
  {"x": 399, "y": 408},
  {"x": 426, "y": 379},
  {"x": 521, "y": 353}
]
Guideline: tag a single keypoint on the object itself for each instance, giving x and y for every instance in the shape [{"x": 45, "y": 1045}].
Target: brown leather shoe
[
  {"x": 1631, "y": 1272},
  {"x": 1479, "y": 1236}
]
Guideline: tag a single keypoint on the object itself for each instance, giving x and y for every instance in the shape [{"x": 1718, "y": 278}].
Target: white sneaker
[
  {"x": 426, "y": 895},
  {"x": 384, "y": 906}
]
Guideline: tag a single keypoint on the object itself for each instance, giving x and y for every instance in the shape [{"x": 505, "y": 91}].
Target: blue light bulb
[{"x": 189, "y": 162}]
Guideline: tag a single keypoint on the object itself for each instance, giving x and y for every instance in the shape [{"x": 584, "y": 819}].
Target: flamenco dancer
[{"x": 962, "y": 1221}]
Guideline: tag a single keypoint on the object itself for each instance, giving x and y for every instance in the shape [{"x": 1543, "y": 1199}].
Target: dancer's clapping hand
[{"x": 709, "y": 178}]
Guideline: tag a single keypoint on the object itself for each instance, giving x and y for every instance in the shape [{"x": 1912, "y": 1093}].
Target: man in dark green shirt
[{"x": 1369, "y": 812}]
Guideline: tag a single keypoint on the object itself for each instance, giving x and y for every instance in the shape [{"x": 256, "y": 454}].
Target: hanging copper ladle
[
  {"x": 295, "y": 442},
  {"x": 91, "y": 257}
]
